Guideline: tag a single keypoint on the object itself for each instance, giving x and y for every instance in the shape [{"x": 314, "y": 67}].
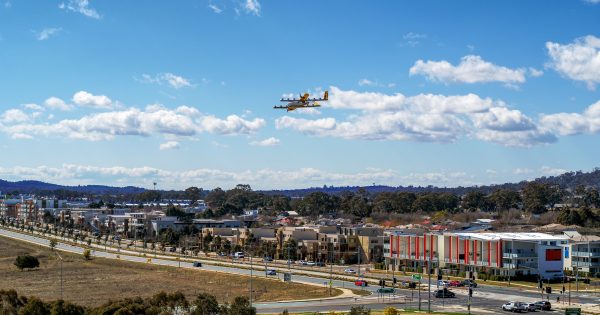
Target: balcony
[
  {"x": 519, "y": 255},
  {"x": 585, "y": 254}
]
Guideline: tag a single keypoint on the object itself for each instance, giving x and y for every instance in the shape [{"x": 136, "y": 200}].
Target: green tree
[
  {"x": 536, "y": 196},
  {"x": 241, "y": 306},
  {"x": 26, "y": 262},
  {"x": 193, "y": 193},
  {"x": 359, "y": 310},
  {"x": 87, "y": 254},
  {"x": 504, "y": 199},
  {"x": 206, "y": 304},
  {"x": 61, "y": 307},
  {"x": 35, "y": 306},
  {"x": 290, "y": 249},
  {"x": 569, "y": 217},
  {"x": 52, "y": 244},
  {"x": 474, "y": 200}
]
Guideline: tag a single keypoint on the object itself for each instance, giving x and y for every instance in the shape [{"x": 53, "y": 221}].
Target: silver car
[{"x": 514, "y": 307}]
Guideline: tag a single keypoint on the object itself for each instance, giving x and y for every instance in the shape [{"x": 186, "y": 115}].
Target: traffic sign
[
  {"x": 572, "y": 311},
  {"x": 416, "y": 277}
]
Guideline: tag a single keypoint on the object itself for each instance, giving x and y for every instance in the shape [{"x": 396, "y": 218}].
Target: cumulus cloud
[
  {"x": 80, "y": 6},
  {"x": 169, "y": 145},
  {"x": 173, "y": 80},
  {"x": 579, "y": 61},
  {"x": 252, "y": 7},
  {"x": 144, "y": 176},
  {"x": 183, "y": 121},
  {"x": 83, "y": 98},
  {"x": 471, "y": 69},
  {"x": 14, "y": 116},
  {"x": 57, "y": 103},
  {"x": 568, "y": 124},
  {"x": 47, "y": 33},
  {"x": 34, "y": 107},
  {"x": 269, "y": 142},
  {"x": 423, "y": 118}
]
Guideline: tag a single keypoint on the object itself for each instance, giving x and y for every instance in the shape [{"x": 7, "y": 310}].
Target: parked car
[
  {"x": 543, "y": 305},
  {"x": 349, "y": 270},
  {"x": 290, "y": 261},
  {"x": 361, "y": 283},
  {"x": 311, "y": 263},
  {"x": 302, "y": 262},
  {"x": 454, "y": 283},
  {"x": 443, "y": 283},
  {"x": 514, "y": 307},
  {"x": 197, "y": 264},
  {"x": 267, "y": 259},
  {"x": 444, "y": 293},
  {"x": 530, "y": 307},
  {"x": 271, "y": 272},
  {"x": 222, "y": 254},
  {"x": 238, "y": 255},
  {"x": 320, "y": 264},
  {"x": 469, "y": 283}
]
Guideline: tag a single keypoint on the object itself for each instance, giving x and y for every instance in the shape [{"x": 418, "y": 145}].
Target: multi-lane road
[{"x": 485, "y": 297}]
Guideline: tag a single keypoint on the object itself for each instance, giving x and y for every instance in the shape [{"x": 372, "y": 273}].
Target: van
[{"x": 238, "y": 255}]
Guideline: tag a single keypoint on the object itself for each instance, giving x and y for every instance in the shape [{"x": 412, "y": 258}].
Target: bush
[
  {"x": 390, "y": 311},
  {"x": 87, "y": 255},
  {"x": 26, "y": 261},
  {"x": 360, "y": 310}
]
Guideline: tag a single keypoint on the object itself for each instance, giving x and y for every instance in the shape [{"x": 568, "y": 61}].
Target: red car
[
  {"x": 454, "y": 283},
  {"x": 361, "y": 283}
]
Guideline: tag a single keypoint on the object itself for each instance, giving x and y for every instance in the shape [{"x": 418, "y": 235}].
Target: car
[
  {"x": 443, "y": 283},
  {"x": 361, "y": 283},
  {"x": 290, "y": 261},
  {"x": 311, "y": 263},
  {"x": 197, "y": 264},
  {"x": 514, "y": 307},
  {"x": 238, "y": 255},
  {"x": 543, "y": 305},
  {"x": 444, "y": 293},
  {"x": 454, "y": 283},
  {"x": 271, "y": 272},
  {"x": 530, "y": 307},
  {"x": 172, "y": 249},
  {"x": 320, "y": 264},
  {"x": 469, "y": 283},
  {"x": 302, "y": 262},
  {"x": 267, "y": 259},
  {"x": 222, "y": 254},
  {"x": 349, "y": 270}
]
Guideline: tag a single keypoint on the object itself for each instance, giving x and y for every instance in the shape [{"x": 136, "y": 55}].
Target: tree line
[{"x": 161, "y": 303}]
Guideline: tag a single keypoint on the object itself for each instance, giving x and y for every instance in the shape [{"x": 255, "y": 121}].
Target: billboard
[{"x": 553, "y": 254}]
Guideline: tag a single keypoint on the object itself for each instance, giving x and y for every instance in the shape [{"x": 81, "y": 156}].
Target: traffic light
[
  {"x": 383, "y": 283},
  {"x": 439, "y": 276},
  {"x": 470, "y": 292},
  {"x": 394, "y": 280},
  {"x": 412, "y": 285},
  {"x": 541, "y": 284},
  {"x": 548, "y": 290},
  {"x": 380, "y": 283}
]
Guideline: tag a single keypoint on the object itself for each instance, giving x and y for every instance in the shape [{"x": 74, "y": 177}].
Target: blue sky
[{"x": 181, "y": 93}]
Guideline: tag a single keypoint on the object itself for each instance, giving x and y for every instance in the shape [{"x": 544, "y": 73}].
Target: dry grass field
[{"x": 94, "y": 282}]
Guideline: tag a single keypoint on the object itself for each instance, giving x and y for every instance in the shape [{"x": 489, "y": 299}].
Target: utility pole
[
  {"x": 61, "y": 275},
  {"x": 429, "y": 286},
  {"x": 250, "y": 252}
]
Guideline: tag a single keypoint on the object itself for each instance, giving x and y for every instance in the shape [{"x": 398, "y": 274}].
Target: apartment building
[
  {"x": 505, "y": 254},
  {"x": 582, "y": 254}
]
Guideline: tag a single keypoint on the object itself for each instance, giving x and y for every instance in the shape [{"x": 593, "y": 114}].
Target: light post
[{"x": 61, "y": 275}]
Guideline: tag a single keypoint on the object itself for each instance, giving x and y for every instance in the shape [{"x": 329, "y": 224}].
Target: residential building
[{"x": 582, "y": 254}]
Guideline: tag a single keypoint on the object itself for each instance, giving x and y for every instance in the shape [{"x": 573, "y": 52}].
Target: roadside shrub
[
  {"x": 26, "y": 261},
  {"x": 390, "y": 311},
  {"x": 87, "y": 254},
  {"x": 360, "y": 310}
]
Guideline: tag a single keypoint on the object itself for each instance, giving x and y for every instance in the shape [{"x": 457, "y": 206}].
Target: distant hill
[
  {"x": 568, "y": 180},
  {"x": 33, "y": 186}
]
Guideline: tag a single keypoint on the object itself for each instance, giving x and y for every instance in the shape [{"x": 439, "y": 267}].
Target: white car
[
  {"x": 349, "y": 270},
  {"x": 443, "y": 283},
  {"x": 311, "y": 263},
  {"x": 531, "y": 307},
  {"x": 514, "y": 307}
]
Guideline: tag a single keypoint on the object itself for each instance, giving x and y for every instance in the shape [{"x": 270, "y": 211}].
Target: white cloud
[
  {"x": 80, "y": 6},
  {"x": 215, "y": 8},
  {"x": 567, "y": 124},
  {"x": 362, "y": 82},
  {"x": 533, "y": 72},
  {"x": 57, "y": 103},
  {"x": 423, "y": 117},
  {"x": 14, "y": 116},
  {"x": 269, "y": 142},
  {"x": 252, "y": 7},
  {"x": 413, "y": 39},
  {"x": 34, "y": 107},
  {"x": 183, "y": 121},
  {"x": 173, "y": 80},
  {"x": 47, "y": 33},
  {"x": 169, "y": 145},
  {"x": 578, "y": 61},
  {"x": 592, "y": 1},
  {"x": 83, "y": 98},
  {"x": 472, "y": 69},
  {"x": 144, "y": 176},
  {"x": 552, "y": 171}
]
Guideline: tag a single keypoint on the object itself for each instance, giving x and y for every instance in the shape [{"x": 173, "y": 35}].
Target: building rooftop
[{"x": 514, "y": 236}]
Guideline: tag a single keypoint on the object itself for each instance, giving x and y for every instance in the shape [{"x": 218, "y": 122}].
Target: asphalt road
[{"x": 484, "y": 297}]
